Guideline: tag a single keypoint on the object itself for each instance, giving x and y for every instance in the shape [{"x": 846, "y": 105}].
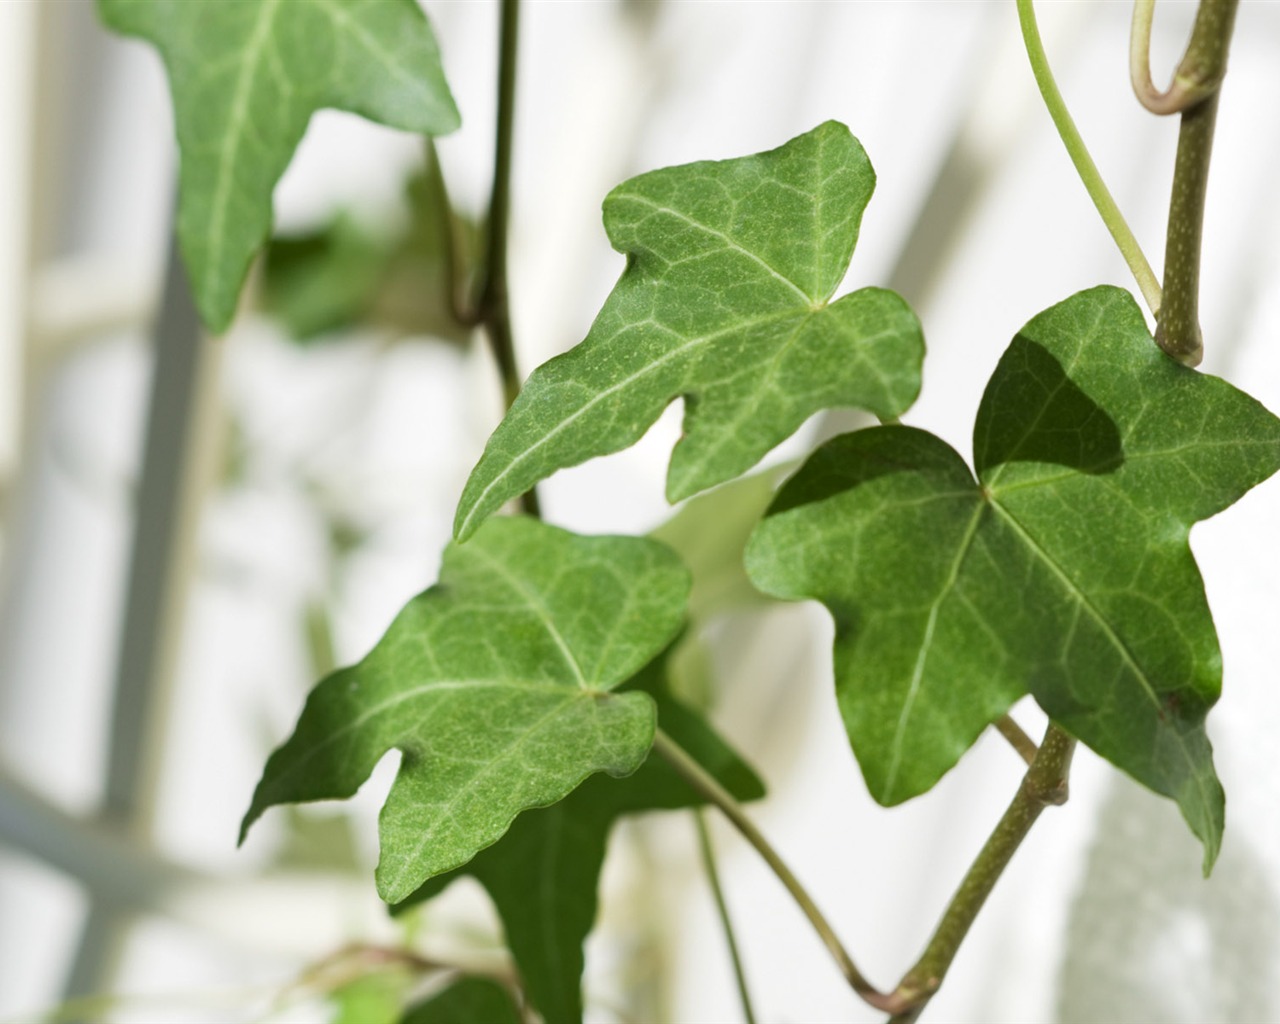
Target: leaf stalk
[
  {"x": 1178, "y": 325},
  {"x": 722, "y": 909},
  {"x": 1044, "y": 784},
  {"x": 1019, "y": 740},
  {"x": 708, "y": 787},
  {"x": 1106, "y": 205}
]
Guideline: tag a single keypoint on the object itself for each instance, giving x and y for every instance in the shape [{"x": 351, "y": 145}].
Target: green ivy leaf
[
  {"x": 543, "y": 875},
  {"x": 469, "y": 1000},
  {"x": 1063, "y": 571},
  {"x": 725, "y": 301},
  {"x": 246, "y": 78},
  {"x": 497, "y": 685}
]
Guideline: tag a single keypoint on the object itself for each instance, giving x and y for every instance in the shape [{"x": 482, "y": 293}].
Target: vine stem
[
  {"x": 1045, "y": 783},
  {"x": 1085, "y": 167},
  {"x": 493, "y": 309},
  {"x": 726, "y": 923},
  {"x": 706, "y": 786},
  {"x": 1178, "y": 325}
]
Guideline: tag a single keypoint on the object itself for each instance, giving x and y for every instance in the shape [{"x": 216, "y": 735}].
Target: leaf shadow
[{"x": 1032, "y": 411}]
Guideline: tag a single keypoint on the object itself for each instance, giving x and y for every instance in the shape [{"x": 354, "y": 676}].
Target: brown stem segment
[
  {"x": 1178, "y": 327},
  {"x": 494, "y": 308},
  {"x": 1045, "y": 783}
]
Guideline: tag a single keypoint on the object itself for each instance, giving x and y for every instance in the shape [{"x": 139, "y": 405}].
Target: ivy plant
[{"x": 528, "y": 690}]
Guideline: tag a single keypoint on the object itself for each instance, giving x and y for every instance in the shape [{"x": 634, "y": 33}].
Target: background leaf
[
  {"x": 395, "y": 278},
  {"x": 543, "y": 875},
  {"x": 725, "y": 301},
  {"x": 496, "y": 686},
  {"x": 324, "y": 280},
  {"x": 374, "y": 998},
  {"x": 467, "y": 1001},
  {"x": 709, "y": 533},
  {"x": 1065, "y": 571},
  {"x": 246, "y": 78}
]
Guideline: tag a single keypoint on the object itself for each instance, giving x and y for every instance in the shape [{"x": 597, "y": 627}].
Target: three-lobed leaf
[
  {"x": 1063, "y": 570},
  {"x": 497, "y": 685},
  {"x": 543, "y": 875},
  {"x": 726, "y": 302},
  {"x": 246, "y": 78}
]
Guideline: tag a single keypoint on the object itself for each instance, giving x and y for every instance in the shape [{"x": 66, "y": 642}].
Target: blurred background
[{"x": 194, "y": 529}]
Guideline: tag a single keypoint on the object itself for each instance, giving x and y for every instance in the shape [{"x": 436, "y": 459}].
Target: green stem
[
  {"x": 730, "y": 938},
  {"x": 1019, "y": 740},
  {"x": 1045, "y": 783},
  {"x": 1085, "y": 167},
  {"x": 1178, "y": 326},
  {"x": 494, "y": 305},
  {"x": 706, "y": 786},
  {"x": 457, "y": 293}
]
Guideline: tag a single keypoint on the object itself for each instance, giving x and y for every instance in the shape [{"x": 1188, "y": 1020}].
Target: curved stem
[
  {"x": 1140, "y": 62},
  {"x": 1045, "y": 783},
  {"x": 1085, "y": 167},
  {"x": 1199, "y": 73},
  {"x": 706, "y": 786},
  {"x": 493, "y": 307},
  {"x": 1178, "y": 327},
  {"x": 722, "y": 908}
]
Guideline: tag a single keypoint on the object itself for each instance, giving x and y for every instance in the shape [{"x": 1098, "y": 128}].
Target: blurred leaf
[
  {"x": 324, "y": 280},
  {"x": 710, "y": 534},
  {"x": 396, "y": 279},
  {"x": 467, "y": 1001},
  {"x": 375, "y": 998},
  {"x": 318, "y": 842}
]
